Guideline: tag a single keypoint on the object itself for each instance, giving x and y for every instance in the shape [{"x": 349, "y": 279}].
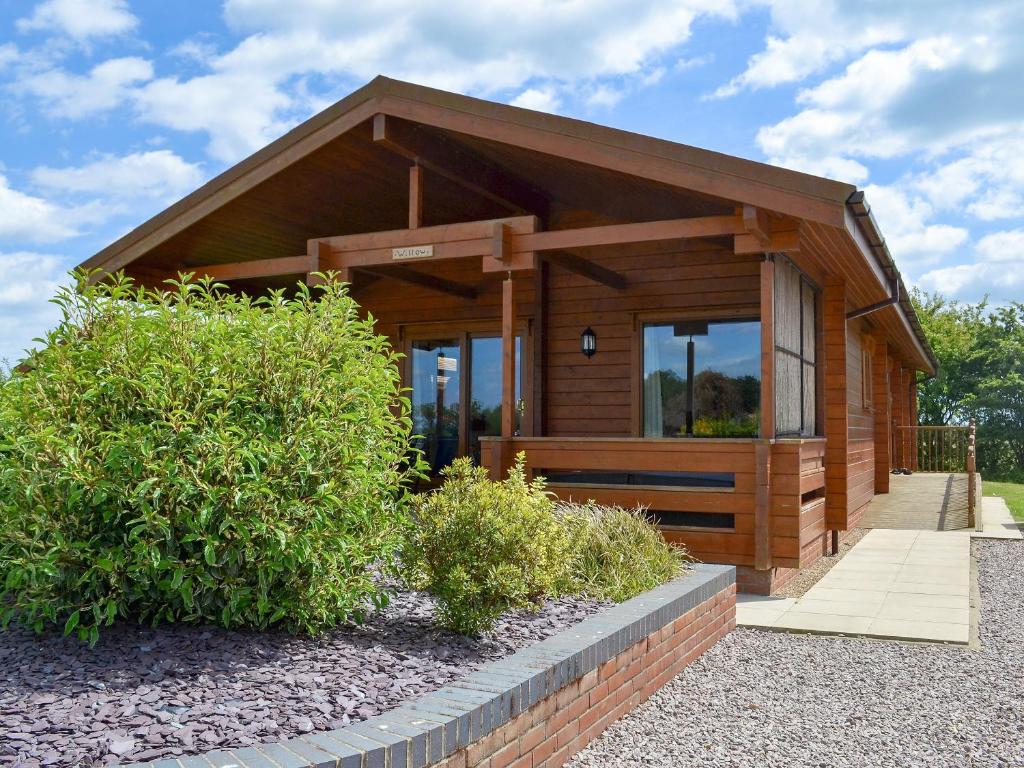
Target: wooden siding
[
  {"x": 860, "y": 479},
  {"x": 599, "y": 396}
]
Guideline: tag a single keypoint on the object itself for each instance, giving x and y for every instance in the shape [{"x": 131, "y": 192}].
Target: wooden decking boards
[{"x": 927, "y": 501}]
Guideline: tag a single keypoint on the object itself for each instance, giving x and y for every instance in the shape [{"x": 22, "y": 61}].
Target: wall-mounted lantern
[{"x": 588, "y": 342}]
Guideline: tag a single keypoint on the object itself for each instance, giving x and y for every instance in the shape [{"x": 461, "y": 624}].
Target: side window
[{"x": 867, "y": 353}]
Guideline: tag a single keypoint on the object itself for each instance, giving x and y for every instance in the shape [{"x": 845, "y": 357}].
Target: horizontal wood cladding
[
  {"x": 735, "y": 546},
  {"x": 598, "y": 396}
]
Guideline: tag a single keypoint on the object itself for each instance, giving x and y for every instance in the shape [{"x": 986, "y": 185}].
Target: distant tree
[
  {"x": 999, "y": 402},
  {"x": 954, "y": 332},
  {"x": 980, "y": 351}
]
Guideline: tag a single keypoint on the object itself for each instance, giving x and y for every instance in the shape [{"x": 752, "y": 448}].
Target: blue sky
[{"x": 113, "y": 109}]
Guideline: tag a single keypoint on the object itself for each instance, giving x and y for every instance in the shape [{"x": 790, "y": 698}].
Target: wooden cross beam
[
  {"x": 587, "y": 268},
  {"x": 458, "y": 164},
  {"x": 758, "y": 232},
  {"x": 424, "y": 280}
]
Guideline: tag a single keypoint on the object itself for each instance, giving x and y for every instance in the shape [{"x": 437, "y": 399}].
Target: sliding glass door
[{"x": 453, "y": 408}]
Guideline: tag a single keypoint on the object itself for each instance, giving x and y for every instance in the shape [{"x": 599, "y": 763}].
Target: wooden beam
[
  {"x": 621, "y": 234},
  {"x": 501, "y": 242},
  {"x": 458, "y": 164},
  {"x": 768, "y": 349},
  {"x": 517, "y": 245},
  {"x": 245, "y": 270},
  {"x": 508, "y": 358},
  {"x": 317, "y": 251},
  {"x": 755, "y": 221},
  {"x": 422, "y": 279},
  {"x": 415, "y": 197},
  {"x": 587, "y": 268}
]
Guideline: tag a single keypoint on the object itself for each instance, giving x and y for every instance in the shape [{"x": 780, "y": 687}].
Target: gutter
[{"x": 898, "y": 290}]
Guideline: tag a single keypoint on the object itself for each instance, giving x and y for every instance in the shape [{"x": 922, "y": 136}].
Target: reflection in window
[
  {"x": 702, "y": 379},
  {"x": 436, "y": 400},
  {"x": 485, "y": 389}
]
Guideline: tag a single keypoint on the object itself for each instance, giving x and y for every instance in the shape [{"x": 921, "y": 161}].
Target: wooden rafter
[
  {"x": 424, "y": 280},
  {"x": 458, "y": 164},
  {"x": 587, "y": 268}
]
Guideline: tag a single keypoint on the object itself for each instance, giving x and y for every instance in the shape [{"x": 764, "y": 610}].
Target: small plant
[
  {"x": 616, "y": 553},
  {"x": 195, "y": 455},
  {"x": 482, "y": 547}
]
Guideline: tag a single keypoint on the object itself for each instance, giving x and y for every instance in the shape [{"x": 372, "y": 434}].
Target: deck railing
[
  {"x": 939, "y": 449},
  {"x": 931, "y": 448}
]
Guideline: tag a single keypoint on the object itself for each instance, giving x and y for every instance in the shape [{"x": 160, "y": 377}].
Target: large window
[{"x": 701, "y": 379}]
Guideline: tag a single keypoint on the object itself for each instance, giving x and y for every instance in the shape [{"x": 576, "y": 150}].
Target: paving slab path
[
  {"x": 901, "y": 584},
  {"x": 996, "y": 520}
]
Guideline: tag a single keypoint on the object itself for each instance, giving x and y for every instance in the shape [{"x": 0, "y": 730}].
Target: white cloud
[
  {"x": 81, "y": 19},
  {"x": 250, "y": 94},
  {"x": 159, "y": 174},
  {"x": 8, "y": 55},
  {"x": 106, "y": 86},
  {"x": 27, "y": 281},
  {"x": 910, "y": 232},
  {"x": 809, "y": 36},
  {"x": 28, "y": 219},
  {"x": 540, "y": 99},
  {"x": 997, "y": 268}
]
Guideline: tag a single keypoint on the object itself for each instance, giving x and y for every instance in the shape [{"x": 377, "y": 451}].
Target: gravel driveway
[{"x": 764, "y": 699}]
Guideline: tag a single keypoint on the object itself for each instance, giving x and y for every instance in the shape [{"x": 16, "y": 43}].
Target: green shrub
[
  {"x": 482, "y": 547},
  {"x": 616, "y": 553},
  {"x": 195, "y": 455}
]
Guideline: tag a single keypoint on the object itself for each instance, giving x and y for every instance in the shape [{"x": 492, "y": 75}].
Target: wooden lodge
[{"x": 725, "y": 342}]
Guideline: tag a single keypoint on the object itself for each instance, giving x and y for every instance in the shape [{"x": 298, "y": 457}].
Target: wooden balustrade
[
  {"x": 933, "y": 448},
  {"x": 745, "y": 501}
]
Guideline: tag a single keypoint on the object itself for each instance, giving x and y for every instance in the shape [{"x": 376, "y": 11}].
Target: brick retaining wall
[{"x": 533, "y": 709}]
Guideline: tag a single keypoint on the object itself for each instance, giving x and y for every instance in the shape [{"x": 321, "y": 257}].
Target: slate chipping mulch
[
  {"x": 143, "y": 693},
  {"x": 761, "y": 699}
]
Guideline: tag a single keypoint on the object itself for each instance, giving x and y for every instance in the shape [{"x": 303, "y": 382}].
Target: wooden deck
[{"x": 927, "y": 501}]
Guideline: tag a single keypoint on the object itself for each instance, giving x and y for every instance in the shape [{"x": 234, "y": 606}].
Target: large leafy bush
[
  {"x": 482, "y": 547},
  {"x": 195, "y": 455},
  {"x": 616, "y": 553}
]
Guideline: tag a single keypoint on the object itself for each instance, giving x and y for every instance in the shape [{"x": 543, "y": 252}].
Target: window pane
[
  {"x": 435, "y": 400},
  {"x": 726, "y": 388},
  {"x": 485, "y": 389}
]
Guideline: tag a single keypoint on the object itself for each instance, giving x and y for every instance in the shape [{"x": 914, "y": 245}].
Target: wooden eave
[{"x": 820, "y": 204}]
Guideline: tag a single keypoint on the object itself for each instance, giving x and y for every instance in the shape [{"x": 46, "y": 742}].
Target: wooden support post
[
  {"x": 762, "y": 505},
  {"x": 882, "y": 417},
  {"x": 912, "y": 397},
  {"x": 415, "y": 197},
  {"x": 768, "y": 348},
  {"x": 972, "y": 468},
  {"x": 538, "y": 347},
  {"x": 837, "y": 415},
  {"x": 508, "y": 358}
]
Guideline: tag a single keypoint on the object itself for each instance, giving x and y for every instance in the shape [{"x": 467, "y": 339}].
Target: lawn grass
[{"x": 1012, "y": 492}]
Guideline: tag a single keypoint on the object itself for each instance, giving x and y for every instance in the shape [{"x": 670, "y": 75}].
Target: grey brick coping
[{"x": 432, "y": 727}]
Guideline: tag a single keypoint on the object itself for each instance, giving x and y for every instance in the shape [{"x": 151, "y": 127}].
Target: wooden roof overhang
[{"x": 345, "y": 174}]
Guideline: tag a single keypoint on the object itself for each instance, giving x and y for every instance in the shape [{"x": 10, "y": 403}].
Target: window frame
[{"x": 746, "y": 313}]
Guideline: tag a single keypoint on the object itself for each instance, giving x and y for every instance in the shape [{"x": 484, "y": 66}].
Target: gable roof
[{"x": 823, "y": 202}]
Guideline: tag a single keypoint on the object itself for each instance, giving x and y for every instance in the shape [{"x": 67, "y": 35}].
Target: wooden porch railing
[
  {"x": 764, "y": 496},
  {"x": 939, "y": 449}
]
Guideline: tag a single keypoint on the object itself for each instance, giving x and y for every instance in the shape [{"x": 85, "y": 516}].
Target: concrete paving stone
[
  {"x": 863, "y": 608},
  {"x": 930, "y": 613},
  {"x": 819, "y": 592},
  {"x": 922, "y": 599},
  {"x": 865, "y": 566},
  {"x": 924, "y": 588},
  {"x": 824, "y": 623},
  {"x": 930, "y": 631},
  {"x": 930, "y": 575}
]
